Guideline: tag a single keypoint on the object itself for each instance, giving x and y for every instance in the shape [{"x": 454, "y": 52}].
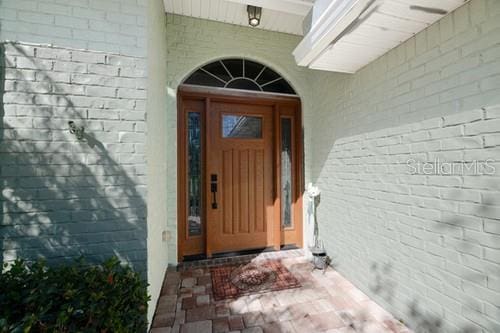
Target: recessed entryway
[{"x": 240, "y": 166}]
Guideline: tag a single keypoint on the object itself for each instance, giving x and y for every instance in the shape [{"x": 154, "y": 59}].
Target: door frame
[{"x": 278, "y": 102}]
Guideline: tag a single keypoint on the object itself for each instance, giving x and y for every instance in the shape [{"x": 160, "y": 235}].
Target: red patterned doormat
[{"x": 232, "y": 281}]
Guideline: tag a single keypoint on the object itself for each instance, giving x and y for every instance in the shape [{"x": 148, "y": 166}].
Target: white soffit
[
  {"x": 277, "y": 15},
  {"x": 346, "y": 35}
]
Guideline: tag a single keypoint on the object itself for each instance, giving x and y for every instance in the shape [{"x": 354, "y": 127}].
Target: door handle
[{"x": 213, "y": 189}]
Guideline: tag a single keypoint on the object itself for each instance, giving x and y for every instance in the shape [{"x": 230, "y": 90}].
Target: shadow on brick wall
[
  {"x": 2, "y": 113},
  {"x": 1, "y": 24},
  {"x": 62, "y": 198},
  {"x": 421, "y": 318}
]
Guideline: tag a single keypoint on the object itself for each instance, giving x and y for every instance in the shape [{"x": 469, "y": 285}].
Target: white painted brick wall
[
  {"x": 93, "y": 81},
  {"x": 62, "y": 197},
  {"x": 116, "y": 26},
  {"x": 424, "y": 246}
]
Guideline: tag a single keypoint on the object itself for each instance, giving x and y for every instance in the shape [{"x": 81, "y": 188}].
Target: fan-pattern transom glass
[{"x": 240, "y": 74}]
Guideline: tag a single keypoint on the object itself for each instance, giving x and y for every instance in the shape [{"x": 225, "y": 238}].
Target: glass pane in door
[
  {"x": 286, "y": 173},
  {"x": 194, "y": 174},
  {"x": 243, "y": 127}
]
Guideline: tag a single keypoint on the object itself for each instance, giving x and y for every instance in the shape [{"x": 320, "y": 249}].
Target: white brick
[
  {"x": 461, "y": 65},
  {"x": 122, "y": 40},
  {"x": 19, "y": 49},
  {"x": 131, "y": 93},
  {"x": 72, "y": 22},
  {"x": 490, "y": 83},
  {"x": 88, "y": 57},
  {"x": 101, "y": 91},
  {"x": 476, "y": 42},
  {"x": 489, "y": 126},
  {"x": 115, "y": 60},
  {"x": 480, "y": 210},
  {"x": 492, "y": 255},
  {"x": 35, "y": 17},
  {"x": 492, "y": 226},
  {"x": 88, "y": 13},
  {"x": 103, "y": 69},
  {"x": 493, "y": 112},
  {"x": 446, "y": 27},
  {"x": 462, "y": 91},
  {"x": 53, "y": 53},
  {"x": 66, "y": 66},
  {"x": 25, "y": 75},
  {"x": 49, "y": 8},
  {"x": 18, "y": 122},
  {"x": 17, "y": 98},
  {"x": 463, "y": 221},
  {"x": 33, "y": 87},
  {"x": 119, "y": 126},
  {"x": 460, "y": 194},
  {"x": 103, "y": 114},
  {"x": 53, "y": 77},
  {"x": 461, "y": 19},
  {"x": 120, "y": 18},
  {"x": 478, "y": 12},
  {"x": 68, "y": 89},
  {"x": 132, "y": 115},
  {"x": 132, "y": 72},
  {"x": 461, "y": 143},
  {"x": 105, "y": 26},
  {"x": 463, "y": 117},
  {"x": 33, "y": 63},
  {"x": 120, "y": 104},
  {"x": 446, "y": 132},
  {"x": 132, "y": 137},
  {"x": 491, "y": 140},
  {"x": 130, "y": 83},
  {"x": 90, "y": 79},
  {"x": 91, "y": 36}
]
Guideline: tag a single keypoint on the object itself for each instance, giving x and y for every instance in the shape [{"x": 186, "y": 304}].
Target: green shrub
[{"x": 72, "y": 298}]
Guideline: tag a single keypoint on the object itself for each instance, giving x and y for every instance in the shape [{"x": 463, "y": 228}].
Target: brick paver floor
[{"x": 326, "y": 302}]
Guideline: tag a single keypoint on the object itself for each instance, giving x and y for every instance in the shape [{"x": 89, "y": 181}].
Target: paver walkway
[{"x": 325, "y": 303}]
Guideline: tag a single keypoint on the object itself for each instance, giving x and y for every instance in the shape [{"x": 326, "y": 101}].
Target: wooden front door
[{"x": 240, "y": 170}]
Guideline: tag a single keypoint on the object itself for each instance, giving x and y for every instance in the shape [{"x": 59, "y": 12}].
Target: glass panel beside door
[
  {"x": 194, "y": 174},
  {"x": 286, "y": 173}
]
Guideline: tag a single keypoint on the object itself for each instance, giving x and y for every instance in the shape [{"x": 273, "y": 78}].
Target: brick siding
[
  {"x": 62, "y": 197},
  {"x": 116, "y": 26},
  {"x": 424, "y": 246}
]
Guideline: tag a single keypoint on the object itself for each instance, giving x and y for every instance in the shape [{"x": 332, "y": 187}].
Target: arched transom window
[{"x": 240, "y": 74}]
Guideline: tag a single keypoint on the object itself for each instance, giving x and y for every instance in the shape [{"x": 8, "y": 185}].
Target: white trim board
[{"x": 346, "y": 35}]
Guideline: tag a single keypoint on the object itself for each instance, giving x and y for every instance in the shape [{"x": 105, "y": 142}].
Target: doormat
[{"x": 232, "y": 281}]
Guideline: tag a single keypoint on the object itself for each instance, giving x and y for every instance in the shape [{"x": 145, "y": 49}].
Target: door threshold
[{"x": 236, "y": 257}]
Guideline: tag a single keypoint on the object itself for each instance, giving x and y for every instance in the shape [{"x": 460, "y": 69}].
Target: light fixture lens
[
  {"x": 254, "y": 22},
  {"x": 254, "y": 14}
]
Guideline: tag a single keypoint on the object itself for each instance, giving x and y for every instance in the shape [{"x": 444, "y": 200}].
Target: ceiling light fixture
[{"x": 254, "y": 14}]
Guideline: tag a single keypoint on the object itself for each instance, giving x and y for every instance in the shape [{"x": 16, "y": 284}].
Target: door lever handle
[{"x": 213, "y": 189}]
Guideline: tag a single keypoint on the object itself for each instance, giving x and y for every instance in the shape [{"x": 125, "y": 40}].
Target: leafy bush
[{"x": 72, "y": 298}]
